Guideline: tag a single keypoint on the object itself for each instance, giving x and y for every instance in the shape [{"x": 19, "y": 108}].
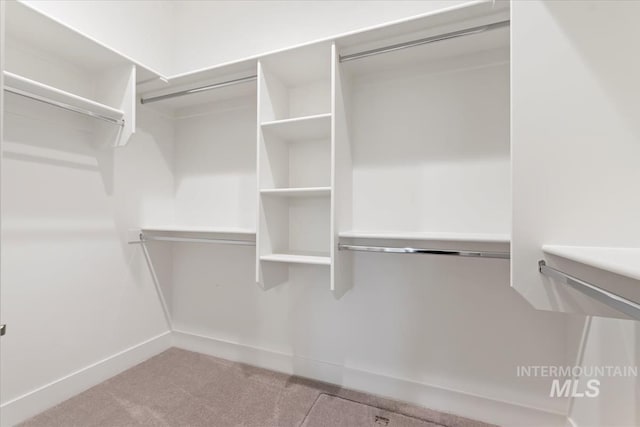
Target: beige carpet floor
[{"x": 182, "y": 388}]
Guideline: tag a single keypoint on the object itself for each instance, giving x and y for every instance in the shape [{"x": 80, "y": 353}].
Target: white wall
[
  {"x": 576, "y": 145},
  {"x": 140, "y": 29},
  {"x": 73, "y": 291}
]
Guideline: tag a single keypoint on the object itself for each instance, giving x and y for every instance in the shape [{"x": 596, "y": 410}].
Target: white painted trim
[
  {"x": 437, "y": 398},
  {"x": 42, "y": 398}
]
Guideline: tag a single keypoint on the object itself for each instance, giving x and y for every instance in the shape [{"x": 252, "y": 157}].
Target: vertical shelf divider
[{"x": 341, "y": 177}]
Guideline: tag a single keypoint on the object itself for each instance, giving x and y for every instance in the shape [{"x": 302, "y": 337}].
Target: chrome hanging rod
[
  {"x": 144, "y": 238},
  {"x": 614, "y": 301},
  {"x": 396, "y": 250},
  {"x": 426, "y": 40},
  {"x": 198, "y": 89},
  {"x": 64, "y": 106}
]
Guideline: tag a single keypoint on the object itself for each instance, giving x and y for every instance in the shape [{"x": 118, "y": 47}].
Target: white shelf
[
  {"x": 435, "y": 236},
  {"x": 199, "y": 229},
  {"x": 297, "y": 192},
  {"x": 300, "y": 128},
  {"x": 29, "y": 25},
  {"x": 193, "y": 233},
  {"x": 298, "y": 258},
  {"x": 40, "y": 90},
  {"x": 622, "y": 261}
]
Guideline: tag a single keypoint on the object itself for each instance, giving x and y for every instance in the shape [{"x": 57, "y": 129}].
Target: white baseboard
[
  {"x": 42, "y": 398},
  {"x": 437, "y": 398}
]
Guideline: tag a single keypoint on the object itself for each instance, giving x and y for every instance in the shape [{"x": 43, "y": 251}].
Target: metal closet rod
[
  {"x": 426, "y": 40},
  {"x": 144, "y": 238},
  {"x": 198, "y": 89},
  {"x": 64, "y": 106},
  {"x": 614, "y": 301},
  {"x": 425, "y": 251}
]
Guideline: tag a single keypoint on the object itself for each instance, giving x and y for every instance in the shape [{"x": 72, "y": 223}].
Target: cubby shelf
[
  {"x": 298, "y": 258},
  {"x": 300, "y": 128},
  {"x": 297, "y": 192},
  {"x": 420, "y": 235},
  {"x": 622, "y": 261}
]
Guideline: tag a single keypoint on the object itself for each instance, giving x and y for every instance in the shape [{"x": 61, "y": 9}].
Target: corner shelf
[
  {"x": 298, "y": 258},
  {"x": 297, "y": 192},
  {"x": 621, "y": 261},
  {"x": 300, "y": 128}
]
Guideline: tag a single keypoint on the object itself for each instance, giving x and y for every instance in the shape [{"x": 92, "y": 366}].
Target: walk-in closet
[{"x": 319, "y": 213}]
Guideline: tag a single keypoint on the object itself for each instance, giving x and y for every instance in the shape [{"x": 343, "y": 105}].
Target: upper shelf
[
  {"x": 300, "y": 128},
  {"x": 30, "y": 26},
  {"x": 622, "y": 261},
  {"x": 289, "y": 60},
  {"x": 40, "y": 91}
]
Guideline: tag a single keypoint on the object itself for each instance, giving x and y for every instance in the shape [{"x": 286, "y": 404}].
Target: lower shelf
[
  {"x": 421, "y": 235},
  {"x": 314, "y": 258},
  {"x": 621, "y": 261}
]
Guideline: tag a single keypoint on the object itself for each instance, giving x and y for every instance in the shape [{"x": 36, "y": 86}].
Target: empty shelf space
[
  {"x": 297, "y": 192},
  {"x": 300, "y": 128},
  {"x": 20, "y": 85},
  {"x": 622, "y": 261},
  {"x": 316, "y": 258},
  {"x": 433, "y": 236}
]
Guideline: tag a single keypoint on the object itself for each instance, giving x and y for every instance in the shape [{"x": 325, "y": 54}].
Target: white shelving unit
[
  {"x": 391, "y": 148},
  {"x": 59, "y": 66},
  {"x": 294, "y": 161},
  {"x": 580, "y": 217}
]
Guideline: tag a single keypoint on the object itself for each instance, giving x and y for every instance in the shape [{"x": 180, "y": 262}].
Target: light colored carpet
[{"x": 181, "y": 388}]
